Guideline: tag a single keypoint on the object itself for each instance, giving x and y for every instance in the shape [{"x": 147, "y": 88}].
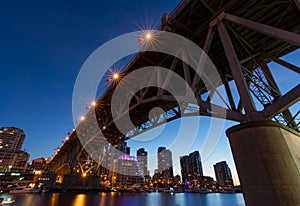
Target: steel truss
[{"x": 241, "y": 38}]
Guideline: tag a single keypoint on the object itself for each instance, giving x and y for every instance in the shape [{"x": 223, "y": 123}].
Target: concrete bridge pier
[{"x": 267, "y": 158}]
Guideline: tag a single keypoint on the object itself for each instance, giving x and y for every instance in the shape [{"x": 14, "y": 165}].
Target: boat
[
  {"x": 45, "y": 190},
  {"x": 6, "y": 202},
  {"x": 24, "y": 189},
  {"x": 151, "y": 189},
  {"x": 203, "y": 190},
  {"x": 228, "y": 191}
]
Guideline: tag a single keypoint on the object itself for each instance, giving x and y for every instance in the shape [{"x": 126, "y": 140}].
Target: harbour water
[{"x": 126, "y": 199}]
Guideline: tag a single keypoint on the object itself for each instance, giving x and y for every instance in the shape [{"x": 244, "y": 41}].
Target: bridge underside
[{"x": 241, "y": 38}]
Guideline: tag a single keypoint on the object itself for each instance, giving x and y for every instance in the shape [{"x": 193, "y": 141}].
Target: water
[{"x": 130, "y": 199}]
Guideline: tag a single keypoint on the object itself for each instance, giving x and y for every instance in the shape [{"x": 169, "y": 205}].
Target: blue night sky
[{"x": 43, "y": 45}]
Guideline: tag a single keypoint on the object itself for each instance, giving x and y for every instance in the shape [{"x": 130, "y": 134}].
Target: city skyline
[{"x": 12, "y": 139}]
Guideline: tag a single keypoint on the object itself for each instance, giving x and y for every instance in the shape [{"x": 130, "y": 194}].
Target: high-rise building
[
  {"x": 128, "y": 171},
  {"x": 11, "y": 155},
  {"x": 196, "y": 164},
  {"x": 124, "y": 148},
  {"x": 185, "y": 168},
  {"x": 191, "y": 167},
  {"x": 165, "y": 163},
  {"x": 11, "y": 138},
  {"x": 142, "y": 156},
  {"x": 223, "y": 174}
]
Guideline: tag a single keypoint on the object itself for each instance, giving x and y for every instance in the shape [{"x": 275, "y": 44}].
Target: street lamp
[
  {"x": 116, "y": 76},
  {"x": 148, "y": 36}
]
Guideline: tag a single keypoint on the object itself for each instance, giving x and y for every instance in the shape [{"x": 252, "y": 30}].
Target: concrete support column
[{"x": 267, "y": 158}]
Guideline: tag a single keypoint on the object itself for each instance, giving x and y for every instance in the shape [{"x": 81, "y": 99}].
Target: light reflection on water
[
  {"x": 119, "y": 199},
  {"x": 79, "y": 200},
  {"x": 54, "y": 199}
]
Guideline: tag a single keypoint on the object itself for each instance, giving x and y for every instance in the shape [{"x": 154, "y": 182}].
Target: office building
[
  {"x": 142, "y": 156},
  {"x": 128, "y": 172},
  {"x": 196, "y": 164},
  {"x": 11, "y": 155},
  {"x": 185, "y": 168},
  {"x": 165, "y": 163},
  {"x": 191, "y": 167},
  {"x": 223, "y": 174},
  {"x": 11, "y": 138},
  {"x": 124, "y": 148}
]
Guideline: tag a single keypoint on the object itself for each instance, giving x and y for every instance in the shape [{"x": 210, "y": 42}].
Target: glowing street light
[
  {"x": 82, "y": 118},
  {"x": 116, "y": 76},
  {"x": 94, "y": 103},
  {"x": 148, "y": 36},
  {"x": 104, "y": 127},
  {"x": 84, "y": 174}
]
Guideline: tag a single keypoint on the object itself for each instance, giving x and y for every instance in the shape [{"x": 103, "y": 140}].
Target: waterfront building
[
  {"x": 46, "y": 180},
  {"x": 206, "y": 181},
  {"x": 109, "y": 163},
  {"x": 196, "y": 164},
  {"x": 165, "y": 163},
  {"x": 38, "y": 164},
  {"x": 15, "y": 176},
  {"x": 148, "y": 179},
  {"x": 13, "y": 159},
  {"x": 11, "y": 155},
  {"x": 185, "y": 167},
  {"x": 129, "y": 172},
  {"x": 191, "y": 167},
  {"x": 142, "y": 156},
  {"x": 223, "y": 174},
  {"x": 11, "y": 138}
]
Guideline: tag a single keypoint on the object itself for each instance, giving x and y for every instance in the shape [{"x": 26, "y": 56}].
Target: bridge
[{"x": 241, "y": 38}]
